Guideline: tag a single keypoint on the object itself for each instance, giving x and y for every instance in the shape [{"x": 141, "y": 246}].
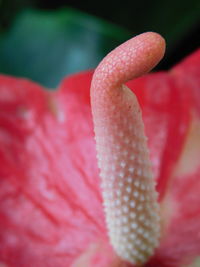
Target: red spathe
[{"x": 50, "y": 201}]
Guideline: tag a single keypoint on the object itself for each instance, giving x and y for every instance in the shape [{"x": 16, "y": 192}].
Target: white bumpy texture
[{"x": 130, "y": 199}]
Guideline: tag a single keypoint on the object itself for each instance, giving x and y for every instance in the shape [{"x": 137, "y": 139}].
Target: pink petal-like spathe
[{"x": 50, "y": 202}]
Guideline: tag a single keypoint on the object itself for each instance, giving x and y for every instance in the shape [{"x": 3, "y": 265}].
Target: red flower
[{"x": 51, "y": 211}]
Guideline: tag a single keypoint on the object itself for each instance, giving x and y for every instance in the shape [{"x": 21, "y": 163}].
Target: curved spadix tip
[{"x": 131, "y": 59}]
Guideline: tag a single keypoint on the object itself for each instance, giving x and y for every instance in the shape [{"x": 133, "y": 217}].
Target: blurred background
[{"x": 47, "y": 40}]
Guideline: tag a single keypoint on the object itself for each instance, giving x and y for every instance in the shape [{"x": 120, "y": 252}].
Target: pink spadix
[{"x": 128, "y": 187}]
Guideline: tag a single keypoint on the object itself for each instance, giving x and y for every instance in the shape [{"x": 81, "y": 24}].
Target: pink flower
[{"x": 51, "y": 211}]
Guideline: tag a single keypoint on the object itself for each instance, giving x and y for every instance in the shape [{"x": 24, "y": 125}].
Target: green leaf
[{"x": 46, "y": 46}]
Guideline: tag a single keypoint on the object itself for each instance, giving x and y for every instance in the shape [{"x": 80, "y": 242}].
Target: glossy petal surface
[{"x": 50, "y": 203}]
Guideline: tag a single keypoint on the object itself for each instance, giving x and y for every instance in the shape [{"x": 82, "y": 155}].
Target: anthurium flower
[{"x": 51, "y": 197}]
